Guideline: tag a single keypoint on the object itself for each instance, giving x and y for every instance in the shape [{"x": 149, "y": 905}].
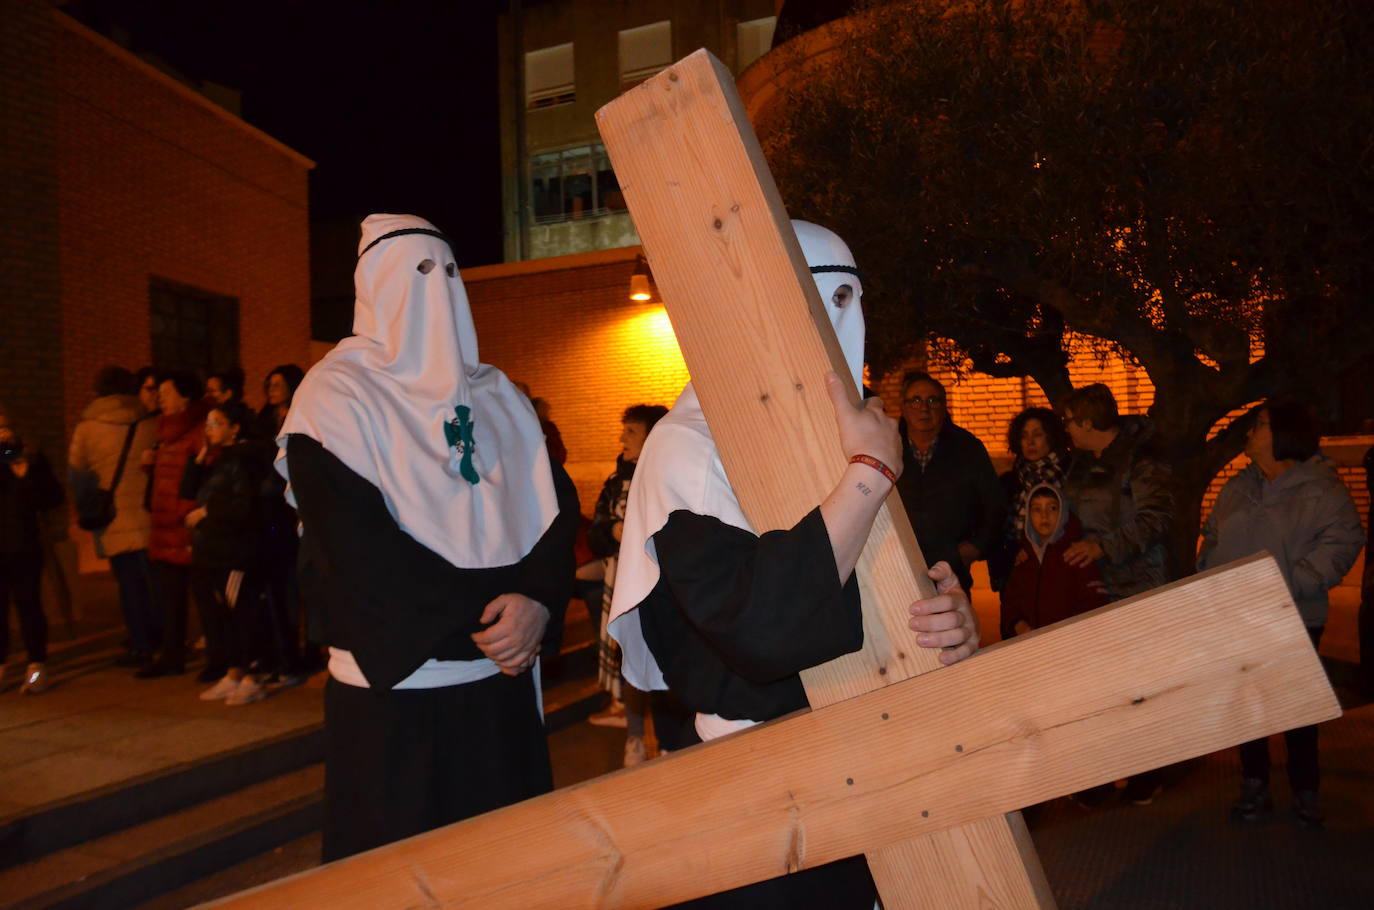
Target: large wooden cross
[{"x": 916, "y": 771}]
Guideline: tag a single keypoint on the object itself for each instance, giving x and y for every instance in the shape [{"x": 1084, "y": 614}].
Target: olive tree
[{"x": 1188, "y": 182}]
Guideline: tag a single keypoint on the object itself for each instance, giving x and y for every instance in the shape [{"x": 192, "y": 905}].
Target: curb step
[
  {"x": 127, "y": 843},
  {"x": 33, "y": 833},
  {"x": 134, "y": 864}
]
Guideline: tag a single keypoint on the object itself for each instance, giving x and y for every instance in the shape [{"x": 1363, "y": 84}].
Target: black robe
[
  {"x": 732, "y": 621},
  {"x": 399, "y": 762}
]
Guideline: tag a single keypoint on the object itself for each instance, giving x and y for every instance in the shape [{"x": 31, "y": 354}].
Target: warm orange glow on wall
[{"x": 647, "y": 337}]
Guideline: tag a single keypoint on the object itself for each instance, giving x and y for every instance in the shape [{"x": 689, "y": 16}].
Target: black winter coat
[
  {"x": 956, "y": 498},
  {"x": 21, "y": 499},
  {"x": 228, "y": 487}
]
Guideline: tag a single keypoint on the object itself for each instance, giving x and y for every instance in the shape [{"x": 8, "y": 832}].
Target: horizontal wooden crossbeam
[{"x": 1064, "y": 708}]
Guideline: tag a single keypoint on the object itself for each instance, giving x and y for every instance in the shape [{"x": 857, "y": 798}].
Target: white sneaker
[
  {"x": 634, "y": 751},
  {"x": 220, "y": 690},
  {"x": 248, "y": 690},
  {"x": 613, "y": 716},
  {"x": 35, "y": 680}
]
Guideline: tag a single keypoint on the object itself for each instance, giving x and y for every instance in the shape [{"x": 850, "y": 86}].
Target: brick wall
[
  {"x": 155, "y": 181},
  {"x": 30, "y": 314},
  {"x": 114, "y": 174},
  {"x": 566, "y": 327}
]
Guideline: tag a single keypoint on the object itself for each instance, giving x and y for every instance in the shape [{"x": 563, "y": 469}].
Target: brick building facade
[
  {"x": 124, "y": 185},
  {"x": 566, "y": 327},
  {"x": 136, "y": 216}
]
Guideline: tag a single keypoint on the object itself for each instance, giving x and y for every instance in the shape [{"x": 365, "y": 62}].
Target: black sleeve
[
  {"x": 231, "y": 500},
  {"x": 389, "y": 599},
  {"x": 191, "y": 477},
  {"x": 547, "y": 573},
  {"x": 600, "y": 540},
  {"x": 769, "y": 606},
  {"x": 991, "y": 501},
  {"x": 386, "y": 597},
  {"x": 46, "y": 490}
]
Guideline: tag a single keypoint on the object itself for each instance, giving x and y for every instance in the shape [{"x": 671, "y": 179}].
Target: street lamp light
[{"x": 640, "y": 288}]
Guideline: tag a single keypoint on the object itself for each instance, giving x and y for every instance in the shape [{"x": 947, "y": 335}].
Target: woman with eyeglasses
[{"x": 948, "y": 484}]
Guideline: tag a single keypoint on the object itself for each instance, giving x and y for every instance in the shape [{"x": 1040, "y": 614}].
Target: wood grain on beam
[
  {"x": 758, "y": 343},
  {"x": 1166, "y": 676}
]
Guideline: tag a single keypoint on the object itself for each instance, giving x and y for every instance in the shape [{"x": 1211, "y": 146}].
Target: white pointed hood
[
  {"x": 387, "y": 403},
  {"x": 680, "y": 467}
]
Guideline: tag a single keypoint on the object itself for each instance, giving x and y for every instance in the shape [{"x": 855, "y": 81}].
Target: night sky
[{"x": 396, "y": 102}]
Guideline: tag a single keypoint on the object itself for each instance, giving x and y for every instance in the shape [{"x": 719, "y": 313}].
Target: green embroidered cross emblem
[{"x": 458, "y": 432}]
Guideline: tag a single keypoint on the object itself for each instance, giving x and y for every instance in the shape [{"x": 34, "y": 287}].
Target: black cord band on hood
[
  {"x": 847, "y": 269},
  {"x": 403, "y": 231}
]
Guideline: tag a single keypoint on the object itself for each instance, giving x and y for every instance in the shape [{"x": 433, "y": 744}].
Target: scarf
[{"x": 1048, "y": 471}]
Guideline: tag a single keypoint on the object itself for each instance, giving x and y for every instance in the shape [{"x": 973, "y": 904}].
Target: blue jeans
[{"x": 141, "y": 613}]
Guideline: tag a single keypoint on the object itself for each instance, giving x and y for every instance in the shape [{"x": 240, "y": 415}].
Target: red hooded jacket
[
  {"x": 179, "y": 436},
  {"x": 1043, "y": 588}
]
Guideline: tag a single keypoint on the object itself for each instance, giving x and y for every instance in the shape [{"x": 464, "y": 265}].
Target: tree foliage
[{"x": 1172, "y": 177}]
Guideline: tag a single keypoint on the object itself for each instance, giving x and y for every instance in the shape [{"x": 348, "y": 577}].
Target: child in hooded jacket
[{"x": 1043, "y": 588}]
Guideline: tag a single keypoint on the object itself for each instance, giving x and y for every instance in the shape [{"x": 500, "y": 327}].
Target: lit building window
[
  {"x": 549, "y": 77},
  {"x": 644, "y": 51},
  {"x": 573, "y": 184},
  {"x": 752, "y": 40}
]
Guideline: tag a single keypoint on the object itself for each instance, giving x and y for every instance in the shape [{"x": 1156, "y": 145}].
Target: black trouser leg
[
  {"x": 173, "y": 584},
  {"x": 278, "y": 625},
  {"x": 221, "y": 638},
  {"x": 1304, "y": 772},
  {"x": 136, "y": 599},
  {"x": 21, "y": 579},
  {"x": 1367, "y": 624},
  {"x": 250, "y": 623},
  {"x": 1254, "y": 759},
  {"x": 675, "y": 725}
]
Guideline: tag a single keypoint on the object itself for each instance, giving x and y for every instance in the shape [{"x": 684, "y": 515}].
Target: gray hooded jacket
[
  {"x": 1305, "y": 519},
  {"x": 1125, "y": 500}
]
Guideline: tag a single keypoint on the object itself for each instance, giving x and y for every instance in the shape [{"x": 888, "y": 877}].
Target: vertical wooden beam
[{"x": 758, "y": 343}]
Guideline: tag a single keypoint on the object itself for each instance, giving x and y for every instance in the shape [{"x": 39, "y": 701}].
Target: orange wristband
[{"x": 876, "y": 465}]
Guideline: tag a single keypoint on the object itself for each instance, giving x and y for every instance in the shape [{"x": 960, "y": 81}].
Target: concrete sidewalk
[{"x": 98, "y": 726}]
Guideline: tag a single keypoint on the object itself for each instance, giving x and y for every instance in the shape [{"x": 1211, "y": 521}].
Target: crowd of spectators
[
  {"x": 173, "y": 478},
  {"x": 1086, "y": 517}
]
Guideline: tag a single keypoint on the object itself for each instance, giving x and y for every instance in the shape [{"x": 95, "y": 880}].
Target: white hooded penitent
[
  {"x": 453, "y": 445},
  {"x": 681, "y": 469}
]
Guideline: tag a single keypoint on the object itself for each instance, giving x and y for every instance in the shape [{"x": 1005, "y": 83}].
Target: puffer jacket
[
  {"x": 1305, "y": 519},
  {"x": 1125, "y": 501},
  {"x": 179, "y": 436},
  {"x": 93, "y": 457},
  {"x": 227, "y": 485}
]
